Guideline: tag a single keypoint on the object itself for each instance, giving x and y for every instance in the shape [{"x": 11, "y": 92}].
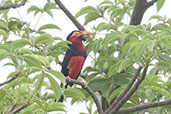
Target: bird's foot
[
  {"x": 68, "y": 79},
  {"x": 84, "y": 85}
]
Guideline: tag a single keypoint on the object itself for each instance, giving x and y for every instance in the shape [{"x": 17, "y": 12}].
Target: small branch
[
  {"x": 131, "y": 92},
  {"x": 19, "y": 109},
  {"x": 12, "y": 78},
  {"x": 13, "y": 107},
  {"x": 125, "y": 91},
  {"x": 67, "y": 12},
  {"x": 144, "y": 106},
  {"x": 13, "y": 5},
  {"x": 150, "y": 3},
  {"x": 93, "y": 95}
]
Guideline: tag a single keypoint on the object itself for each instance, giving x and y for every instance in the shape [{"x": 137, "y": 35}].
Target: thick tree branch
[
  {"x": 139, "y": 9},
  {"x": 144, "y": 106},
  {"x": 93, "y": 95},
  {"x": 131, "y": 92},
  {"x": 13, "y": 5},
  {"x": 66, "y": 11},
  {"x": 11, "y": 79},
  {"x": 125, "y": 91},
  {"x": 18, "y": 109}
]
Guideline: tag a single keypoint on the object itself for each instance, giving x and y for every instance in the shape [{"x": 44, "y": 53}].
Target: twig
[
  {"x": 125, "y": 91},
  {"x": 150, "y": 3},
  {"x": 11, "y": 79},
  {"x": 129, "y": 94},
  {"x": 93, "y": 95},
  {"x": 66, "y": 11},
  {"x": 13, "y": 107},
  {"x": 13, "y": 5},
  {"x": 144, "y": 106},
  {"x": 19, "y": 109}
]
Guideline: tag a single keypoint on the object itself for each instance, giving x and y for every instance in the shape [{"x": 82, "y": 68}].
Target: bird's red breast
[{"x": 75, "y": 65}]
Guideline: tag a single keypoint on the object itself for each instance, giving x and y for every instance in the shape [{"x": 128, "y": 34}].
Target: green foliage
[{"x": 115, "y": 50}]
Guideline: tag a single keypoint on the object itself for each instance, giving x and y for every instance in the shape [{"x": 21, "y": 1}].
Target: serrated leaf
[
  {"x": 4, "y": 34},
  {"x": 159, "y": 4},
  {"x": 114, "y": 94},
  {"x": 57, "y": 74},
  {"x": 49, "y": 26},
  {"x": 97, "y": 83},
  {"x": 32, "y": 61},
  {"x": 158, "y": 17},
  {"x": 2, "y": 94},
  {"x": 166, "y": 42},
  {"x": 20, "y": 43},
  {"x": 90, "y": 17},
  {"x": 44, "y": 38},
  {"x": 74, "y": 93},
  {"x": 85, "y": 10},
  {"x": 140, "y": 48},
  {"x": 39, "y": 82},
  {"x": 34, "y": 9},
  {"x": 112, "y": 70},
  {"x": 5, "y": 47},
  {"x": 43, "y": 60},
  {"x": 56, "y": 106},
  {"x": 124, "y": 64},
  {"x": 55, "y": 86}
]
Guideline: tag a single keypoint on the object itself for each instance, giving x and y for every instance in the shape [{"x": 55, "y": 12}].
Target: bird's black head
[{"x": 80, "y": 35}]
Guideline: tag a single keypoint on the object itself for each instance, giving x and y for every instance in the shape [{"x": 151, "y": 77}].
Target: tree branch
[
  {"x": 66, "y": 11},
  {"x": 13, "y": 107},
  {"x": 13, "y": 5},
  {"x": 144, "y": 106},
  {"x": 139, "y": 9},
  {"x": 11, "y": 79},
  {"x": 19, "y": 109},
  {"x": 125, "y": 91},
  {"x": 129, "y": 94},
  {"x": 93, "y": 95}
]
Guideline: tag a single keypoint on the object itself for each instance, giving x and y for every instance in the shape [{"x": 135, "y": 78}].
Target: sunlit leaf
[
  {"x": 49, "y": 26},
  {"x": 44, "y": 38},
  {"x": 20, "y": 43},
  {"x": 55, "y": 86},
  {"x": 74, "y": 93},
  {"x": 160, "y": 4},
  {"x": 56, "y": 106},
  {"x": 32, "y": 61},
  {"x": 57, "y": 74},
  {"x": 39, "y": 82}
]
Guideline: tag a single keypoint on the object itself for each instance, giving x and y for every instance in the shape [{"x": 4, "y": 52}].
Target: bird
[{"x": 75, "y": 57}]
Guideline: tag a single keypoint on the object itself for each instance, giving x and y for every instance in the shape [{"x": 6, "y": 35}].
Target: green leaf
[
  {"x": 124, "y": 64},
  {"x": 2, "y": 94},
  {"x": 97, "y": 83},
  {"x": 160, "y": 3},
  {"x": 166, "y": 42},
  {"x": 57, "y": 74},
  {"x": 32, "y": 61},
  {"x": 166, "y": 58},
  {"x": 39, "y": 82},
  {"x": 49, "y": 26},
  {"x": 115, "y": 93},
  {"x": 5, "y": 47},
  {"x": 43, "y": 60},
  {"x": 55, "y": 86},
  {"x": 4, "y": 34},
  {"x": 85, "y": 10},
  {"x": 74, "y": 93},
  {"x": 33, "y": 8},
  {"x": 91, "y": 16},
  {"x": 113, "y": 69},
  {"x": 158, "y": 17},
  {"x": 140, "y": 48},
  {"x": 3, "y": 26},
  {"x": 106, "y": 2},
  {"x": 20, "y": 43},
  {"x": 56, "y": 106},
  {"x": 44, "y": 38}
]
